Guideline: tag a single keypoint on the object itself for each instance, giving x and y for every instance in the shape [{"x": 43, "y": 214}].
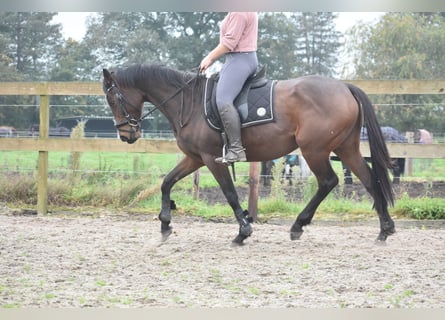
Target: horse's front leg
[
  {"x": 222, "y": 175},
  {"x": 183, "y": 169},
  {"x": 245, "y": 227}
]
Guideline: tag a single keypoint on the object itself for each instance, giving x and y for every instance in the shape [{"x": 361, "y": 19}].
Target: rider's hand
[{"x": 205, "y": 63}]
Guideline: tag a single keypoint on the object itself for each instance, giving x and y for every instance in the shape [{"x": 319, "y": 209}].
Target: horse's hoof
[
  {"x": 166, "y": 233},
  {"x": 238, "y": 241},
  {"x": 379, "y": 242},
  {"x": 245, "y": 230},
  {"x": 295, "y": 235},
  {"x": 383, "y": 235}
]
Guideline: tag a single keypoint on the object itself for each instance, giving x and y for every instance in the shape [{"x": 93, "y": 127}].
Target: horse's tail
[{"x": 380, "y": 158}]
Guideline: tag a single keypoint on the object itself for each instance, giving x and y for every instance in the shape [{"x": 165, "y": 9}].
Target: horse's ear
[{"x": 108, "y": 80}]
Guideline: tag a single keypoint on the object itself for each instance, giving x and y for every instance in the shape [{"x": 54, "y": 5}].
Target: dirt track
[{"x": 118, "y": 260}]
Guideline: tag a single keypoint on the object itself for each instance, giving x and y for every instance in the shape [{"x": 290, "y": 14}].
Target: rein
[{"x": 180, "y": 89}]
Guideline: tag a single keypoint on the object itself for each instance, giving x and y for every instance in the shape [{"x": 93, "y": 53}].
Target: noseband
[{"x": 129, "y": 119}]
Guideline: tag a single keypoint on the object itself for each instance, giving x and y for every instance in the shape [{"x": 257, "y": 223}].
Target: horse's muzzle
[
  {"x": 128, "y": 140},
  {"x": 129, "y": 135}
]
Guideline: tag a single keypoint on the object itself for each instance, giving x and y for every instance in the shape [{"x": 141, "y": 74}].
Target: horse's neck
[{"x": 178, "y": 106}]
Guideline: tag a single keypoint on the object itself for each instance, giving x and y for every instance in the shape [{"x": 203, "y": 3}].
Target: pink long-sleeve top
[{"x": 239, "y": 31}]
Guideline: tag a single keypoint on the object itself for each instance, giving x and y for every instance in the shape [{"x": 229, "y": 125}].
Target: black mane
[{"x": 138, "y": 74}]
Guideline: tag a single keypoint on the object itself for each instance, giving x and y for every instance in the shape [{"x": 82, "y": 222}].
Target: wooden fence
[{"x": 43, "y": 144}]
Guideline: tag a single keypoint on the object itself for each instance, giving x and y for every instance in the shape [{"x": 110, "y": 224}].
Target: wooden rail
[
  {"x": 87, "y": 145},
  {"x": 95, "y": 88},
  {"x": 396, "y": 150},
  {"x": 43, "y": 144}
]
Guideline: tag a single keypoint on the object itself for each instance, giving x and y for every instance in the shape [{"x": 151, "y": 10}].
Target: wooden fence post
[
  {"x": 254, "y": 174},
  {"x": 42, "y": 182},
  {"x": 409, "y": 161},
  {"x": 196, "y": 176}
]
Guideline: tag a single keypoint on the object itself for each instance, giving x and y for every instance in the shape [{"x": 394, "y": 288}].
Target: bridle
[
  {"x": 134, "y": 123},
  {"x": 129, "y": 119}
]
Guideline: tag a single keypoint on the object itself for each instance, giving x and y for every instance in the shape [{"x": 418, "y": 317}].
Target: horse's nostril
[{"x": 124, "y": 139}]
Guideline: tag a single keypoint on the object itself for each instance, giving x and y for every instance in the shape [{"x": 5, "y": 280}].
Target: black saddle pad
[{"x": 254, "y": 108}]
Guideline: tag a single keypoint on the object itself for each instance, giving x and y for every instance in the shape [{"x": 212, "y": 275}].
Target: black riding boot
[{"x": 232, "y": 127}]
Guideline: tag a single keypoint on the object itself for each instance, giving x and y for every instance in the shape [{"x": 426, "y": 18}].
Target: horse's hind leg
[
  {"x": 327, "y": 180},
  {"x": 184, "y": 168},
  {"x": 361, "y": 169}
]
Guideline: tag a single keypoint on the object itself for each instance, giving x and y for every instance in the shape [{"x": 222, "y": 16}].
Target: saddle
[{"x": 254, "y": 103}]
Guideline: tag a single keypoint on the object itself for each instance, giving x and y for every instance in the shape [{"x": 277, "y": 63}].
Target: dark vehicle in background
[
  {"x": 59, "y": 132},
  {"x": 7, "y": 131},
  {"x": 95, "y": 127}
]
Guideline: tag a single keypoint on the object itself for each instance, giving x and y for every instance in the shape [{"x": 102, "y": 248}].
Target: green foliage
[
  {"x": 431, "y": 169},
  {"x": 299, "y": 43},
  {"x": 317, "y": 42},
  {"x": 102, "y": 180},
  {"x": 276, "y": 46},
  {"x": 421, "y": 208},
  {"x": 18, "y": 188},
  {"x": 403, "y": 46},
  {"x": 32, "y": 41},
  {"x": 110, "y": 34},
  {"x": 275, "y": 207},
  {"x": 276, "y": 184},
  {"x": 191, "y": 36},
  {"x": 32, "y": 49},
  {"x": 133, "y": 181},
  {"x": 75, "y": 62}
]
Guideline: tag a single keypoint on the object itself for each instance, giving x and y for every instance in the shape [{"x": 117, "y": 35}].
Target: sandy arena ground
[{"x": 117, "y": 260}]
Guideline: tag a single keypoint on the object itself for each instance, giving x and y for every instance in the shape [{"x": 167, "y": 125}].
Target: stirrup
[{"x": 232, "y": 156}]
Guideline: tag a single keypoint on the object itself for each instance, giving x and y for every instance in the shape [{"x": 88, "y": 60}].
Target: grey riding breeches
[{"x": 237, "y": 68}]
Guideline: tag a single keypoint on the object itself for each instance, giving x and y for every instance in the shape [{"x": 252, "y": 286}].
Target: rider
[{"x": 238, "y": 42}]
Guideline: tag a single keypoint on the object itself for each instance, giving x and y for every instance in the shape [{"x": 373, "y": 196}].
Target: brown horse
[{"x": 316, "y": 114}]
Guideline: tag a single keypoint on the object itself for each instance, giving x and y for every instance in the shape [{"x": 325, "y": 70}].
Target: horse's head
[{"x": 126, "y": 104}]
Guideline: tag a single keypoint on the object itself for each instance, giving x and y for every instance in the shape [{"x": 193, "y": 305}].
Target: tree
[
  {"x": 191, "y": 36},
  {"x": 295, "y": 44},
  {"x": 403, "y": 46},
  {"x": 317, "y": 42},
  {"x": 28, "y": 42},
  {"x": 175, "y": 39},
  {"x": 74, "y": 62},
  {"x": 32, "y": 42},
  {"x": 7, "y": 70},
  {"x": 276, "y": 46}
]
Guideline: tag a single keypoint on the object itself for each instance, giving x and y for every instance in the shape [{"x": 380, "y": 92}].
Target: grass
[
  {"x": 132, "y": 181},
  {"x": 429, "y": 169},
  {"x": 421, "y": 208}
]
